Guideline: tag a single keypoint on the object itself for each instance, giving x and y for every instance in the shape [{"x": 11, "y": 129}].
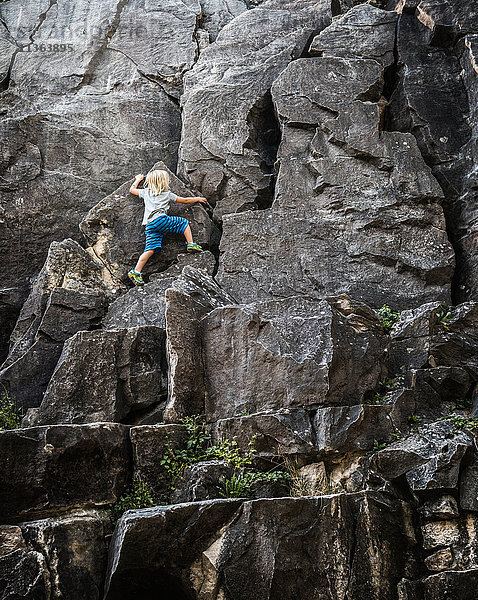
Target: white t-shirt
[{"x": 155, "y": 206}]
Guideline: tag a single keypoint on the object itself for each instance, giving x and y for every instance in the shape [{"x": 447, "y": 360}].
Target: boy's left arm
[{"x": 191, "y": 200}]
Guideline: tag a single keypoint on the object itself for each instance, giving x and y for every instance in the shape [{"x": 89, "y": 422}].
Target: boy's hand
[
  {"x": 139, "y": 177},
  {"x": 202, "y": 200}
]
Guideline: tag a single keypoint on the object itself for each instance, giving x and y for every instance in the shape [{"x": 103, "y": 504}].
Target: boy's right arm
[{"x": 134, "y": 188}]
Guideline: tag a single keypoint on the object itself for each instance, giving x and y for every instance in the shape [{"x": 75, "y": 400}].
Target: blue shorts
[{"x": 163, "y": 224}]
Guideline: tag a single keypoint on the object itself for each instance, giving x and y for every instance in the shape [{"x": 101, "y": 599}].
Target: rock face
[
  {"x": 114, "y": 376},
  {"x": 355, "y": 206},
  {"x": 46, "y": 469},
  {"x": 230, "y": 135},
  {"x": 267, "y": 348},
  {"x": 69, "y": 295},
  {"x": 273, "y": 532}
]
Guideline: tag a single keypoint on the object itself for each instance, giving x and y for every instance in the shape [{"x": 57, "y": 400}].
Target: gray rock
[
  {"x": 411, "y": 335},
  {"x": 442, "y": 128},
  {"x": 465, "y": 215},
  {"x": 271, "y": 548},
  {"x": 292, "y": 353},
  {"x": 150, "y": 443},
  {"x": 360, "y": 198},
  {"x": 75, "y": 552},
  {"x": 114, "y": 231},
  {"x": 161, "y": 533},
  {"x": 201, "y": 481},
  {"x": 47, "y": 469},
  {"x": 455, "y": 341},
  {"x": 444, "y": 507},
  {"x": 24, "y": 575},
  {"x": 146, "y": 305},
  {"x": 191, "y": 297},
  {"x": 274, "y": 435},
  {"x": 69, "y": 295},
  {"x": 116, "y": 376},
  {"x": 452, "y": 584},
  {"x": 430, "y": 458},
  {"x": 436, "y": 335},
  {"x": 230, "y": 134},
  {"x": 218, "y": 13},
  {"x": 357, "y": 428},
  {"x": 469, "y": 485}
]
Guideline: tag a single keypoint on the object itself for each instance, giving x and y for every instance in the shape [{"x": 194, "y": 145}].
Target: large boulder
[
  {"x": 287, "y": 433},
  {"x": 116, "y": 236},
  {"x": 70, "y": 294},
  {"x": 75, "y": 552},
  {"x": 47, "y": 469},
  {"x": 230, "y": 135},
  {"x": 436, "y": 334},
  {"x": 356, "y": 208},
  {"x": 292, "y": 353},
  {"x": 118, "y": 375},
  {"x": 430, "y": 458},
  {"x": 190, "y": 297},
  {"x": 435, "y": 61},
  {"x": 287, "y": 548}
]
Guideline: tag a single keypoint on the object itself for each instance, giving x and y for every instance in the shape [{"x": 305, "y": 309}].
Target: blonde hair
[{"x": 157, "y": 182}]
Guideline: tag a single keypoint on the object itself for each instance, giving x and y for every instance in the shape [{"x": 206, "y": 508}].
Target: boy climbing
[{"x": 157, "y": 197}]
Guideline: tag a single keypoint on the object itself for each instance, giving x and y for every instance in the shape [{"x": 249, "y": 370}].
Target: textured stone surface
[
  {"x": 191, "y": 297},
  {"x": 290, "y": 353},
  {"x": 294, "y": 542},
  {"x": 75, "y": 552},
  {"x": 117, "y": 375},
  {"x": 201, "y": 481},
  {"x": 286, "y": 433},
  {"x": 430, "y": 458},
  {"x": 24, "y": 575},
  {"x": 46, "y": 469},
  {"x": 469, "y": 485},
  {"x": 230, "y": 134},
  {"x": 361, "y": 199},
  {"x": 116, "y": 236},
  {"x": 69, "y": 295}
]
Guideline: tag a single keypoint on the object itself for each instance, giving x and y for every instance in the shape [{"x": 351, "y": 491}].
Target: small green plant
[
  {"x": 138, "y": 495},
  {"x": 11, "y": 415},
  {"x": 379, "y": 445},
  {"x": 385, "y": 386},
  {"x": 239, "y": 485},
  {"x": 388, "y": 317},
  {"x": 460, "y": 422},
  {"x": 396, "y": 437},
  {"x": 199, "y": 447},
  {"x": 444, "y": 316},
  {"x": 414, "y": 419}
]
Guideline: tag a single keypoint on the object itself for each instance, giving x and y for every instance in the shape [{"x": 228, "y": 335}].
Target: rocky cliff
[{"x": 292, "y": 413}]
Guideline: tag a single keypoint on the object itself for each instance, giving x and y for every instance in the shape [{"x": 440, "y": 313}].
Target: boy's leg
[
  {"x": 143, "y": 259},
  {"x": 188, "y": 235}
]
